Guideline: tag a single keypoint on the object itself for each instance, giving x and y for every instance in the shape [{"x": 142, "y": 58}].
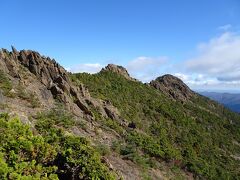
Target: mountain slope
[
  {"x": 197, "y": 135},
  {"x": 109, "y": 125}
]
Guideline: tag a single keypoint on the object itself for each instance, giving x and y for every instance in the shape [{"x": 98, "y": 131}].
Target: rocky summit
[
  {"x": 61, "y": 125},
  {"x": 119, "y": 70},
  {"x": 173, "y": 87},
  {"x": 54, "y": 79}
]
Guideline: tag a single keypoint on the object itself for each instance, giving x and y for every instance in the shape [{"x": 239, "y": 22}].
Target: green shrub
[
  {"x": 5, "y": 84},
  {"x": 81, "y": 159},
  {"x": 3, "y": 105},
  {"x": 113, "y": 125},
  {"x": 116, "y": 146},
  {"x": 34, "y": 101},
  {"x": 103, "y": 149},
  {"x": 28, "y": 96},
  {"x": 131, "y": 152},
  {"x": 23, "y": 155},
  {"x": 27, "y": 156}
]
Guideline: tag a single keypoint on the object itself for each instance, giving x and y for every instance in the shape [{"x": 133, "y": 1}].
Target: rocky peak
[
  {"x": 53, "y": 77},
  {"x": 44, "y": 68},
  {"x": 55, "y": 81},
  {"x": 119, "y": 70},
  {"x": 173, "y": 87}
]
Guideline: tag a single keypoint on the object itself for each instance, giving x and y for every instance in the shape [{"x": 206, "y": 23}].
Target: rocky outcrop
[
  {"x": 107, "y": 110},
  {"x": 54, "y": 77},
  {"x": 119, "y": 70},
  {"x": 56, "y": 82},
  {"x": 173, "y": 87}
]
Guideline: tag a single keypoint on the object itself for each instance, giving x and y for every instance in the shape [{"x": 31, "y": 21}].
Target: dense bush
[
  {"x": 22, "y": 154},
  {"x": 76, "y": 158},
  {"x": 52, "y": 155}
]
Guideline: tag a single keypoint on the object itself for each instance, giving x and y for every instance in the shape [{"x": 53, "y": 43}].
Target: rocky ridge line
[{"x": 56, "y": 81}]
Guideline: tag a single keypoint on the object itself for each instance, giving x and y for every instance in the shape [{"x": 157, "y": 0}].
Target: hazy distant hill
[{"x": 231, "y": 101}]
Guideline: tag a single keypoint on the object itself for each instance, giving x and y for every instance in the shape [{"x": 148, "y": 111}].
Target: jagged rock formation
[
  {"x": 48, "y": 72},
  {"x": 173, "y": 87},
  {"x": 56, "y": 82},
  {"x": 119, "y": 70}
]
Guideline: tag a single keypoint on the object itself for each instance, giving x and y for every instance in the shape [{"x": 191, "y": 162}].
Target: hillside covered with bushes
[
  {"x": 197, "y": 135},
  {"x": 59, "y": 125}
]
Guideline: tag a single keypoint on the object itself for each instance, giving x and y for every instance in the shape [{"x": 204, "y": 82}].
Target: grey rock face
[
  {"x": 119, "y": 70},
  {"x": 56, "y": 81},
  {"x": 173, "y": 87}
]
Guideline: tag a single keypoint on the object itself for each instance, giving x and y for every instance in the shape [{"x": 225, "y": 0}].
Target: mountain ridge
[{"x": 160, "y": 130}]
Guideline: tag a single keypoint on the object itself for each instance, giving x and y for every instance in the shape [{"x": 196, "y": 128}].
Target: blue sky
[{"x": 149, "y": 37}]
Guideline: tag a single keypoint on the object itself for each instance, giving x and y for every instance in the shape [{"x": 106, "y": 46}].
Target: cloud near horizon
[
  {"x": 218, "y": 61},
  {"x": 216, "y": 64},
  {"x": 143, "y": 68},
  {"x": 147, "y": 68},
  {"x": 88, "y": 67}
]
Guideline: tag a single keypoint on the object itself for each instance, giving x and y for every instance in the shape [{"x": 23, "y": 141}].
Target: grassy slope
[{"x": 197, "y": 136}]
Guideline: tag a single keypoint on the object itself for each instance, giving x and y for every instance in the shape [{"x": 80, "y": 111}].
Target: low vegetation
[
  {"x": 196, "y": 136},
  {"x": 5, "y": 84},
  {"x": 27, "y": 96},
  {"x": 50, "y": 154},
  {"x": 8, "y": 90}
]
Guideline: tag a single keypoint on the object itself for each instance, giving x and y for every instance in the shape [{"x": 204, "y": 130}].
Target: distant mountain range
[{"x": 230, "y": 100}]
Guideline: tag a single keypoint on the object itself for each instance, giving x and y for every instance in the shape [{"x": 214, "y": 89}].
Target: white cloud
[
  {"x": 219, "y": 58},
  {"x": 225, "y": 27},
  {"x": 194, "y": 79},
  {"x": 183, "y": 77},
  {"x": 215, "y": 66},
  {"x": 90, "y": 68},
  {"x": 147, "y": 68},
  {"x": 205, "y": 82},
  {"x": 143, "y": 62}
]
